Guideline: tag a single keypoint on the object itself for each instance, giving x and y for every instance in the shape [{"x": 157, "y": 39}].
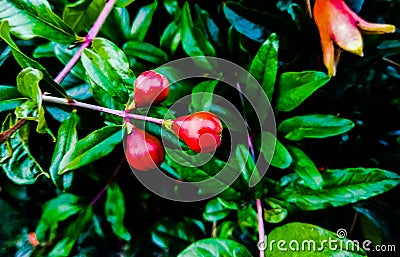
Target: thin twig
[
  {"x": 89, "y": 38},
  {"x": 353, "y": 223},
  {"x": 9, "y": 132},
  {"x": 391, "y": 61},
  {"x": 308, "y": 8},
  {"x": 101, "y": 192}
]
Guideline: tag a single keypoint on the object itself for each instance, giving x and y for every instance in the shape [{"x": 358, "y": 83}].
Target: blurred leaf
[
  {"x": 56, "y": 210},
  {"x": 28, "y": 85},
  {"x": 278, "y": 155},
  {"x": 309, "y": 238},
  {"x": 295, "y": 87},
  {"x": 305, "y": 168},
  {"x": 81, "y": 15},
  {"x": 215, "y": 247},
  {"x": 142, "y": 21},
  {"x": 171, "y": 6},
  {"x": 115, "y": 211},
  {"x": 389, "y": 47},
  {"x": 24, "y": 61},
  {"x": 29, "y": 19},
  {"x": 226, "y": 229},
  {"x": 145, "y": 51},
  {"x": 172, "y": 235},
  {"x": 194, "y": 42},
  {"x": 248, "y": 221},
  {"x": 264, "y": 66},
  {"x": 314, "y": 126},
  {"x": 108, "y": 68},
  {"x": 202, "y": 95},
  {"x": 66, "y": 141},
  {"x": 72, "y": 233},
  {"x": 96, "y": 145},
  {"x": 16, "y": 159},
  {"x": 215, "y": 211},
  {"x": 234, "y": 13},
  {"x": 276, "y": 214},
  {"x": 340, "y": 187},
  {"x": 45, "y": 50},
  {"x": 208, "y": 26},
  {"x": 124, "y": 3},
  {"x": 243, "y": 160},
  {"x": 171, "y": 37}
]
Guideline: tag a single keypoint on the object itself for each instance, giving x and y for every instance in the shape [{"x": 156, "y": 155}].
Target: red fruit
[
  {"x": 143, "y": 151},
  {"x": 150, "y": 88},
  {"x": 201, "y": 131}
]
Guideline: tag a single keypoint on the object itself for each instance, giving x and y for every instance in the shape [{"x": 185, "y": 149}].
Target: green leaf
[
  {"x": 45, "y": 50},
  {"x": 303, "y": 240},
  {"x": 226, "y": 229},
  {"x": 29, "y": 19},
  {"x": 115, "y": 211},
  {"x": 72, "y": 233},
  {"x": 66, "y": 141},
  {"x": 81, "y": 15},
  {"x": 16, "y": 159},
  {"x": 314, "y": 126},
  {"x": 278, "y": 156},
  {"x": 233, "y": 12},
  {"x": 124, "y": 3},
  {"x": 8, "y": 92},
  {"x": 142, "y": 21},
  {"x": 173, "y": 235},
  {"x": 276, "y": 213},
  {"x": 194, "y": 42},
  {"x": 208, "y": 26},
  {"x": 215, "y": 247},
  {"x": 108, "y": 68},
  {"x": 305, "y": 168},
  {"x": 171, "y": 37},
  {"x": 28, "y": 85},
  {"x": 24, "y": 61},
  {"x": 145, "y": 51},
  {"x": 295, "y": 87},
  {"x": 171, "y": 6},
  {"x": 248, "y": 221},
  {"x": 202, "y": 95},
  {"x": 215, "y": 211},
  {"x": 96, "y": 145},
  {"x": 56, "y": 210},
  {"x": 340, "y": 187},
  {"x": 64, "y": 55},
  {"x": 264, "y": 66},
  {"x": 244, "y": 161}
]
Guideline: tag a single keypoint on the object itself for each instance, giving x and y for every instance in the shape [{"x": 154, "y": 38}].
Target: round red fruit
[
  {"x": 143, "y": 151},
  {"x": 201, "y": 131},
  {"x": 150, "y": 88}
]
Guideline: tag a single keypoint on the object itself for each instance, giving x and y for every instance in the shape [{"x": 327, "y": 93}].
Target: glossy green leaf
[
  {"x": 340, "y": 187},
  {"x": 278, "y": 156},
  {"x": 45, "y": 50},
  {"x": 16, "y": 159},
  {"x": 171, "y": 6},
  {"x": 275, "y": 213},
  {"x": 264, "y": 66},
  {"x": 72, "y": 233},
  {"x": 94, "y": 146},
  {"x": 215, "y": 247},
  {"x": 226, "y": 229},
  {"x": 253, "y": 30},
  {"x": 8, "y": 92},
  {"x": 64, "y": 54},
  {"x": 305, "y": 168},
  {"x": 244, "y": 161},
  {"x": 11, "y": 104},
  {"x": 171, "y": 37},
  {"x": 145, "y": 51},
  {"x": 194, "y": 42},
  {"x": 314, "y": 126},
  {"x": 28, "y": 85},
  {"x": 81, "y": 15},
  {"x": 66, "y": 141},
  {"x": 303, "y": 240},
  {"x": 295, "y": 87},
  {"x": 202, "y": 95},
  {"x": 117, "y": 26},
  {"x": 142, "y": 21},
  {"x": 56, "y": 210},
  {"x": 107, "y": 67},
  {"x": 172, "y": 235},
  {"x": 115, "y": 211},
  {"x": 124, "y": 3},
  {"x": 24, "y": 61},
  {"x": 215, "y": 211},
  {"x": 29, "y": 19}
]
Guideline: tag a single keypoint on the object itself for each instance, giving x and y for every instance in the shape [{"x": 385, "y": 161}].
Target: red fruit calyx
[
  {"x": 201, "y": 131},
  {"x": 150, "y": 88},
  {"x": 143, "y": 151}
]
